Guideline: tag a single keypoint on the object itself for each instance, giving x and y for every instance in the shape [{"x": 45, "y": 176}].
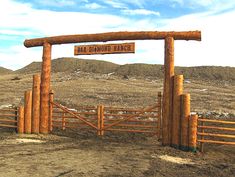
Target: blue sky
[{"x": 25, "y": 19}]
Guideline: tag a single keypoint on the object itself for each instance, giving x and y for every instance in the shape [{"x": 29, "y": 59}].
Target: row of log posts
[
  {"x": 182, "y": 126},
  {"x": 169, "y": 112},
  {"x": 178, "y": 127},
  {"x": 29, "y": 119}
]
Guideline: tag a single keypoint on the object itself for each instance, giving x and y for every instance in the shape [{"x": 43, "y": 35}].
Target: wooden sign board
[{"x": 104, "y": 49}]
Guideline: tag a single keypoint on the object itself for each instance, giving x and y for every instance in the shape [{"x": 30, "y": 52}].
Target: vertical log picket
[
  {"x": 36, "y": 104},
  {"x": 20, "y": 123},
  {"x": 159, "y": 120},
  {"x": 185, "y": 114},
  {"x": 202, "y": 137},
  {"x": 63, "y": 120},
  {"x": 98, "y": 120},
  {"x": 168, "y": 90},
  {"x": 193, "y": 121},
  {"x": 45, "y": 88},
  {"x": 28, "y": 111},
  {"x": 102, "y": 120},
  {"x": 178, "y": 90},
  {"x": 50, "y": 126}
]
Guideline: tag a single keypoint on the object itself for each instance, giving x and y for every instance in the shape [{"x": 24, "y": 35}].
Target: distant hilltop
[
  {"x": 5, "y": 71},
  {"x": 69, "y": 65}
]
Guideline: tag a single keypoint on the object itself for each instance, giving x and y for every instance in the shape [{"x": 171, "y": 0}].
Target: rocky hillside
[
  {"x": 135, "y": 70},
  {"x": 5, "y": 71}
]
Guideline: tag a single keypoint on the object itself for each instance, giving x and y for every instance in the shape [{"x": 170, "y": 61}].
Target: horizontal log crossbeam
[{"x": 113, "y": 36}]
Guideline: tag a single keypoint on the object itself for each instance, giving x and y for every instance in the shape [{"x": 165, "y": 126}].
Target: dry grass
[{"x": 75, "y": 89}]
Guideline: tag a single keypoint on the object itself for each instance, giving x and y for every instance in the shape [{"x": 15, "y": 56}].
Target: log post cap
[{"x": 114, "y": 36}]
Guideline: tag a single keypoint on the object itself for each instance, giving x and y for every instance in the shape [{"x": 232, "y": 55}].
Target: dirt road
[{"x": 85, "y": 154}]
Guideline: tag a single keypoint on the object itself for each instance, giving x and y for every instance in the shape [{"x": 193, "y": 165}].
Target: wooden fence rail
[
  {"x": 215, "y": 132},
  {"x": 9, "y": 117},
  {"x": 108, "y": 119},
  {"x": 103, "y": 118}
]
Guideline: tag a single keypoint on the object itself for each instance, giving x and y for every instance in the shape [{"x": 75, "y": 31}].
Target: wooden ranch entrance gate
[
  {"x": 101, "y": 118},
  {"x": 172, "y": 84}
]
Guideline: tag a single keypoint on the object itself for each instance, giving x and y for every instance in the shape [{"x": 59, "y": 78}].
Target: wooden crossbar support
[
  {"x": 216, "y": 135},
  {"x": 130, "y": 117},
  {"x": 217, "y": 142},
  {"x": 75, "y": 115},
  {"x": 114, "y": 36},
  {"x": 216, "y": 121}
]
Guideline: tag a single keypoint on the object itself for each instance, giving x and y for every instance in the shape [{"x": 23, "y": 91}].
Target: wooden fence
[
  {"x": 101, "y": 118},
  {"x": 215, "y": 132},
  {"x": 8, "y": 117}
]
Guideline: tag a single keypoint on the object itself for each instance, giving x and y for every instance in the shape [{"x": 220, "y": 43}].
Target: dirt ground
[
  {"x": 75, "y": 153},
  {"x": 75, "y": 89}
]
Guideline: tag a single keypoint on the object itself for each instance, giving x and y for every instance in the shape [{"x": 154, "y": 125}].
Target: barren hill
[
  {"x": 135, "y": 70},
  {"x": 4, "y": 70}
]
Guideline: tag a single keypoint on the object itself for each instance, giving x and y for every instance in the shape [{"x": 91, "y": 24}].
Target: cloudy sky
[{"x": 26, "y": 19}]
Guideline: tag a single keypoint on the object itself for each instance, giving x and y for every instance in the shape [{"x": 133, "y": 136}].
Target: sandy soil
[
  {"x": 74, "y": 89},
  {"x": 70, "y": 153},
  {"x": 79, "y": 153}
]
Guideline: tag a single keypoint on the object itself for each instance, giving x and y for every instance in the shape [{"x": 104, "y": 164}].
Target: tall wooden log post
[
  {"x": 168, "y": 91},
  {"x": 36, "y": 104},
  {"x": 185, "y": 115},
  {"x": 28, "y": 111},
  {"x": 45, "y": 88},
  {"x": 193, "y": 121},
  {"x": 178, "y": 90},
  {"x": 20, "y": 124}
]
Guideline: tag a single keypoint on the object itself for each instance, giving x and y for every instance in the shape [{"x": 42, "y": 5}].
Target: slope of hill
[
  {"x": 135, "y": 70},
  {"x": 72, "y": 65},
  {"x": 4, "y": 70}
]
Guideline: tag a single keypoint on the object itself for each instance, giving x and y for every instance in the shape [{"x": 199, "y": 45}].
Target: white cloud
[
  {"x": 140, "y": 12},
  {"x": 116, "y": 4},
  {"x": 45, "y": 22},
  {"x": 216, "y": 47},
  {"x": 14, "y": 32},
  {"x": 93, "y": 6},
  {"x": 212, "y": 5},
  {"x": 18, "y": 56},
  {"x": 57, "y": 3}
]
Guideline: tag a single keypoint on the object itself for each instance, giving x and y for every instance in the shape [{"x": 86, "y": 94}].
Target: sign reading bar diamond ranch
[{"x": 104, "y": 49}]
